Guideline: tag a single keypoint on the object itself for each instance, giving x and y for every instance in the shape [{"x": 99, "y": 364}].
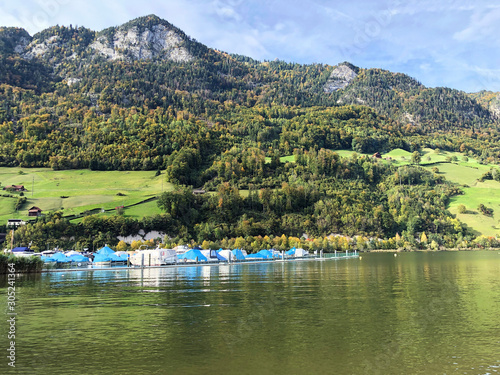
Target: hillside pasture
[{"x": 75, "y": 192}]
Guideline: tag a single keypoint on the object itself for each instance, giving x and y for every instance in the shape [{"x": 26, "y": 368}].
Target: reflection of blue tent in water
[
  {"x": 191, "y": 255},
  {"x": 106, "y": 250},
  {"x": 238, "y": 254}
]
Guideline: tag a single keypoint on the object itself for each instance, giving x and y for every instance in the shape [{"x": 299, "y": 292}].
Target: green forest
[{"x": 224, "y": 123}]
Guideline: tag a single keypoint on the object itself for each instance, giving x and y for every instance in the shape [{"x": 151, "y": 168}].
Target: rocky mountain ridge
[
  {"x": 156, "y": 40},
  {"x": 72, "y": 55}
]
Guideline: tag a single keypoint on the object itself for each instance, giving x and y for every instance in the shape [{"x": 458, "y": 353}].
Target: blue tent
[
  {"x": 60, "y": 258},
  {"x": 266, "y": 254},
  {"x": 238, "y": 254},
  {"x": 255, "y": 256},
  {"x": 220, "y": 257},
  {"x": 124, "y": 257},
  {"x": 220, "y": 250},
  {"x": 78, "y": 258},
  {"x": 115, "y": 258},
  {"x": 106, "y": 250},
  {"x": 102, "y": 258},
  {"x": 47, "y": 259},
  {"x": 192, "y": 255},
  {"x": 291, "y": 251}
]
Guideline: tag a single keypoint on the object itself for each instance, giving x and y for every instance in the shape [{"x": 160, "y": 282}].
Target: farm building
[
  {"x": 15, "y": 187},
  {"x": 34, "y": 211}
]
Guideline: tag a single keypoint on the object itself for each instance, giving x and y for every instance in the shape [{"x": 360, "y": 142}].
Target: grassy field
[
  {"x": 77, "y": 191},
  {"x": 463, "y": 170}
]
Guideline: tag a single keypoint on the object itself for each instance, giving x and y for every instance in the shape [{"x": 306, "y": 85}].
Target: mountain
[
  {"x": 77, "y": 76},
  {"x": 489, "y": 100},
  {"x": 73, "y": 53},
  {"x": 13, "y": 40},
  {"x": 145, "y": 96}
]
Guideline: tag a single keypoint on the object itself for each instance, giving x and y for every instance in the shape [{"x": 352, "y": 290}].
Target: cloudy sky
[{"x": 453, "y": 43}]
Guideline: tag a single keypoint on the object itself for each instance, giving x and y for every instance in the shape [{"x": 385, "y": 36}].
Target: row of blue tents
[
  {"x": 61, "y": 258},
  {"x": 223, "y": 255},
  {"x": 105, "y": 254}
]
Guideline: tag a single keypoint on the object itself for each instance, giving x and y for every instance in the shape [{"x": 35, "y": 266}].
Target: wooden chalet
[
  {"x": 15, "y": 187},
  {"x": 34, "y": 211}
]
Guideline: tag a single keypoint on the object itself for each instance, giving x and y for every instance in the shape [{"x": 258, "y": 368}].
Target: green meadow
[
  {"x": 465, "y": 171},
  {"x": 77, "y": 191}
]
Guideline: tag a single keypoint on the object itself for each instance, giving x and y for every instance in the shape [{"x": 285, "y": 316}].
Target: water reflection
[{"x": 419, "y": 313}]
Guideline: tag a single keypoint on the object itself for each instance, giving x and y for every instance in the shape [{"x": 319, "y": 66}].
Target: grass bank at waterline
[{"x": 21, "y": 264}]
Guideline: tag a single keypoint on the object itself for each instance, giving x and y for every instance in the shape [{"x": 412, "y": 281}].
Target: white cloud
[
  {"x": 483, "y": 25},
  {"x": 435, "y": 41}
]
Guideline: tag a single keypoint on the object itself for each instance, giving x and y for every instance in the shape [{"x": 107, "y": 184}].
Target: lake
[{"x": 414, "y": 313}]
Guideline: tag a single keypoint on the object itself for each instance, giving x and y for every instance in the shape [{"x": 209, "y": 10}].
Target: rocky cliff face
[
  {"x": 39, "y": 49},
  {"x": 13, "y": 40},
  {"x": 341, "y": 76},
  {"x": 133, "y": 44}
]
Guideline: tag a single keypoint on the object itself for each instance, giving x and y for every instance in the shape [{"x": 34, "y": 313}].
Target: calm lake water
[{"x": 417, "y": 313}]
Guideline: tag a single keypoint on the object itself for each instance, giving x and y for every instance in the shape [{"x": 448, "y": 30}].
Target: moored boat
[{"x": 155, "y": 257}]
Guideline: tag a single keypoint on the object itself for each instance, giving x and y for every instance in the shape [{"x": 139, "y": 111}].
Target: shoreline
[{"x": 201, "y": 264}]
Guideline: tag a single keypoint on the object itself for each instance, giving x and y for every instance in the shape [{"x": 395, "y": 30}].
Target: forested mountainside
[{"x": 145, "y": 96}]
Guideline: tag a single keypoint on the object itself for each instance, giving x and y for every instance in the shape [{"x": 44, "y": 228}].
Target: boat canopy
[
  {"x": 22, "y": 250},
  {"x": 238, "y": 254},
  {"x": 106, "y": 250},
  {"x": 255, "y": 256},
  {"x": 77, "y": 258},
  {"x": 266, "y": 254},
  {"x": 220, "y": 257},
  {"x": 102, "y": 258},
  {"x": 60, "y": 258},
  {"x": 291, "y": 251},
  {"x": 192, "y": 255},
  {"x": 226, "y": 254},
  {"x": 301, "y": 252},
  {"x": 47, "y": 259}
]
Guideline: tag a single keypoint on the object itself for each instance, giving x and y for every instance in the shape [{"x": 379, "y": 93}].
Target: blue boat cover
[
  {"x": 60, "y": 258},
  {"x": 102, "y": 258},
  {"x": 256, "y": 256},
  {"x": 106, "y": 250},
  {"x": 192, "y": 255},
  {"x": 220, "y": 257},
  {"x": 47, "y": 259},
  {"x": 238, "y": 254},
  {"x": 291, "y": 251},
  {"x": 266, "y": 254},
  {"x": 78, "y": 258},
  {"x": 22, "y": 249}
]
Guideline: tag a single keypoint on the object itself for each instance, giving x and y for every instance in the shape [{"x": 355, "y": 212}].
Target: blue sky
[{"x": 451, "y": 43}]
